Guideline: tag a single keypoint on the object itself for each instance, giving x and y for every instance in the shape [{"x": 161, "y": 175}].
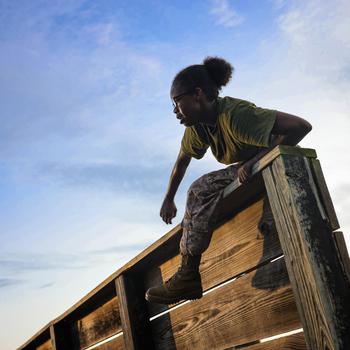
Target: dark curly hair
[{"x": 210, "y": 76}]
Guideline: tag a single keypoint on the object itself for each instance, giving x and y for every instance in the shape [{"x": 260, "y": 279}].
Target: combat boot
[{"x": 185, "y": 284}]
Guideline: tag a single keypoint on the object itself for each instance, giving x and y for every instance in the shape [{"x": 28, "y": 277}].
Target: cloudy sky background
[{"x": 88, "y": 138}]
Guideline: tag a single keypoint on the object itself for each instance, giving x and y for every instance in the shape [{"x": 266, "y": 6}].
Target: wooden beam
[
  {"x": 324, "y": 193},
  {"x": 53, "y": 337},
  {"x": 322, "y": 293},
  {"x": 133, "y": 312},
  {"x": 343, "y": 254}
]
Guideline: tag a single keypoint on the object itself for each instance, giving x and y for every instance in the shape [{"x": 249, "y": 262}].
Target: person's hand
[
  {"x": 245, "y": 172},
  {"x": 168, "y": 210}
]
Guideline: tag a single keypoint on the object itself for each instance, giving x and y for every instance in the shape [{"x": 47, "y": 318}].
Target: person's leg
[{"x": 202, "y": 199}]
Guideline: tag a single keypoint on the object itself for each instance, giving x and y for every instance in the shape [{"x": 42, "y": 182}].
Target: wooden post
[
  {"x": 53, "y": 337},
  {"x": 133, "y": 312},
  {"x": 322, "y": 293}
]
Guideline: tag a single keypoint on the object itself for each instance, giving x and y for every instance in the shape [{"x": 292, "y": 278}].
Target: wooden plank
[
  {"x": 65, "y": 337},
  {"x": 235, "y": 247},
  {"x": 322, "y": 294},
  {"x": 324, "y": 193},
  {"x": 268, "y": 158},
  {"x": 342, "y": 252},
  {"x": 291, "y": 342},
  {"x": 101, "y": 323},
  {"x": 240, "y": 312},
  {"x": 157, "y": 251},
  {"x": 53, "y": 337},
  {"x": 114, "y": 344},
  {"x": 37, "y": 337},
  {"x": 45, "y": 346},
  {"x": 231, "y": 203},
  {"x": 133, "y": 311}
]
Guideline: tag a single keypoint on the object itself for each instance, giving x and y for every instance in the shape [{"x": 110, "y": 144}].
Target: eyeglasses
[{"x": 177, "y": 98}]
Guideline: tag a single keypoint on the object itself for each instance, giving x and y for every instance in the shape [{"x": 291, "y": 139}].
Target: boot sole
[{"x": 161, "y": 300}]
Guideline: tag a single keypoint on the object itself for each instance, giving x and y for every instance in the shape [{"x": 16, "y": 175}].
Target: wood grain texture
[
  {"x": 134, "y": 315},
  {"x": 114, "y": 344},
  {"x": 291, "y": 342},
  {"x": 231, "y": 203},
  {"x": 324, "y": 193},
  {"x": 236, "y": 246},
  {"x": 53, "y": 337},
  {"x": 39, "y": 337},
  {"x": 342, "y": 252},
  {"x": 46, "y": 346},
  {"x": 101, "y": 323},
  {"x": 236, "y": 313},
  {"x": 321, "y": 292}
]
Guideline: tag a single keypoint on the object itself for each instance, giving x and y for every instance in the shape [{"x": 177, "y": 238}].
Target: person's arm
[
  {"x": 168, "y": 209},
  {"x": 290, "y": 130}
]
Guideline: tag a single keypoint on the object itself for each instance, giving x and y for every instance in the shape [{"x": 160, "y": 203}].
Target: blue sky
[{"x": 88, "y": 138}]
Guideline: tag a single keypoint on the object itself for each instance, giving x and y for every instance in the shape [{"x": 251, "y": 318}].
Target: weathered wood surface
[
  {"x": 101, "y": 323},
  {"x": 322, "y": 294},
  {"x": 324, "y": 193},
  {"x": 46, "y": 346},
  {"x": 53, "y": 337},
  {"x": 291, "y": 342},
  {"x": 342, "y": 252},
  {"x": 114, "y": 344},
  {"x": 134, "y": 315},
  {"x": 40, "y": 336},
  {"x": 250, "y": 308},
  {"x": 268, "y": 158},
  {"x": 155, "y": 251},
  {"x": 236, "y": 246}
]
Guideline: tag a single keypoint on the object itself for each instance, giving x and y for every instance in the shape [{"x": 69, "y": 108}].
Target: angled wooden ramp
[{"x": 275, "y": 276}]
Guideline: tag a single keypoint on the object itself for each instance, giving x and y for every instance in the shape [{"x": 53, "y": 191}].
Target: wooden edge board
[
  {"x": 36, "y": 335},
  {"x": 117, "y": 273},
  {"x": 268, "y": 158},
  {"x": 324, "y": 193},
  {"x": 261, "y": 164},
  {"x": 342, "y": 252}
]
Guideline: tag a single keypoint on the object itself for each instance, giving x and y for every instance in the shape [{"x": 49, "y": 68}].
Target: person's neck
[{"x": 210, "y": 114}]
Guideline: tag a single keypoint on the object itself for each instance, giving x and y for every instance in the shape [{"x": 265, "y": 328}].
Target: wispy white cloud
[{"x": 225, "y": 14}]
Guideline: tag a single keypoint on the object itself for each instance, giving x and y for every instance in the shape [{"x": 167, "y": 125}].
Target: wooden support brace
[
  {"x": 322, "y": 293},
  {"x": 342, "y": 253},
  {"x": 53, "y": 337},
  {"x": 133, "y": 312}
]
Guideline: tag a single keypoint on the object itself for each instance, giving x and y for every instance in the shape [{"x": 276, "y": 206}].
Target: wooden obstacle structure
[{"x": 260, "y": 280}]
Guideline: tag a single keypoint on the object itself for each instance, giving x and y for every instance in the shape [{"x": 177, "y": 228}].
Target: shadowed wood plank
[
  {"x": 133, "y": 311},
  {"x": 234, "y": 314},
  {"x": 342, "y": 253},
  {"x": 53, "y": 337},
  {"x": 40, "y": 336},
  {"x": 291, "y": 342},
  {"x": 236, "y": 246},
  {"x": 324, "y": 193},
  {"x": 159, "y": 249},
  {"x": 321, "y": 291},
  {"x": 115, "y": 344},
  {"x": 99, "y": 324},
  {"x": 46, "y": 346}
]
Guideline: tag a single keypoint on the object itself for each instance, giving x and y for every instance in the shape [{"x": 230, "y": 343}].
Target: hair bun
[{"x": 219, "y": 70}]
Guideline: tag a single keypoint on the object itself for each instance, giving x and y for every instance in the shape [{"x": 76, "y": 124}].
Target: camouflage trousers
[{"x": 203, "y": 197}]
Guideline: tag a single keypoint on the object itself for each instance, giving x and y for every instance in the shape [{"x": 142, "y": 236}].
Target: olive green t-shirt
[{"x": 241, "y": 130}]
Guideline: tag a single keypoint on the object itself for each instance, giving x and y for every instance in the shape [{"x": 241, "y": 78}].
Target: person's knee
[{"x": 199, "y": 185}]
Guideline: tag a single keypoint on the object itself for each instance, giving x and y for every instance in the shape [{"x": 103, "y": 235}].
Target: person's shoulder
[{"x": 228, "y": 104}]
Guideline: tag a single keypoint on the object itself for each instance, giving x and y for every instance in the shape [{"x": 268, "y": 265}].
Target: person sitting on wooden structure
[{"x": 239, "y": 134}]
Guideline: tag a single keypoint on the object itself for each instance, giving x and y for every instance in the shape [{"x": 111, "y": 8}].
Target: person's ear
[{"x": 198, "y": 93}]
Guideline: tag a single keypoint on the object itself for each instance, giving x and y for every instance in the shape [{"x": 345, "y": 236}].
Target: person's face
[{"x": 186, "y": 105}]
